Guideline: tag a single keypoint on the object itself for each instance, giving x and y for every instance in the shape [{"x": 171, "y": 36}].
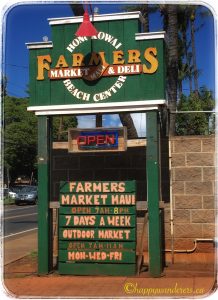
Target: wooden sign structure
[
  {"x": 97, "y": 228},
  {"x": 116, "y": 71},
  {"x": 97, "y": 140}
]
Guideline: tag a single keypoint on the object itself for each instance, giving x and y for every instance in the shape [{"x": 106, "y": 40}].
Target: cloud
[
  {"x": 112, "y": 121},
  {"x": 139, "y": 120},
  {"x": 86, "y": 121}
]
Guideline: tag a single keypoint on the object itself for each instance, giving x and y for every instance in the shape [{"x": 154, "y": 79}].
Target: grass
[
  {"x": 8, "y": 201},
  {"x": 33, "y": 254}
]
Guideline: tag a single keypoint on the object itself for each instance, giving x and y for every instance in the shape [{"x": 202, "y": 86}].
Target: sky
[{"x": 28, "y": 23}]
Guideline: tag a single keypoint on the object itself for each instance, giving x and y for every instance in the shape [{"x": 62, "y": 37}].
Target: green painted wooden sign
[
  {"x": 97, "y": 220},
  {"x": 120, "y": 234},
  {"x": 98, "y": 199},
  {"x": 81, "y": 187},
  {"x": 95, "y": 210},
  {"x": 109, "y": 256},
  {"x": 96, "y": 269},
  {"x": 85, "y": 73},
  {"x": 95, "y": 245},
  {"x": 88, "y": 237}
]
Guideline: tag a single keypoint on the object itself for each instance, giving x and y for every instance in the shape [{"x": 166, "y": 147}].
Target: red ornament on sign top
[{"x": 86, "y": 28}]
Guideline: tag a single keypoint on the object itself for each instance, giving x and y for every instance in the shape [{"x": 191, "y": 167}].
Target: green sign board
[
  {"x": 84, "y": 75},
  {"x": 97, "y": 228}
]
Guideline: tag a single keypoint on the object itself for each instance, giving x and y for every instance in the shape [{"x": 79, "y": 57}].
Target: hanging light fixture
[{"x": 86, "y": 28}]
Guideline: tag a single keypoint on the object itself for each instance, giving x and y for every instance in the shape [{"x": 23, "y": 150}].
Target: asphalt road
[{"x": 19, "y": 219}]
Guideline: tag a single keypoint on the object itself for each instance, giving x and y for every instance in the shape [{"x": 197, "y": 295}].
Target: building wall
[
  {"x": 193, "y": 183},
  {"x": 193, "y": 190}
]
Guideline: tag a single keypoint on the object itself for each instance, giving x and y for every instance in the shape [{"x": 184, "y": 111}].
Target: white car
[{"x": 9, "y": 193}]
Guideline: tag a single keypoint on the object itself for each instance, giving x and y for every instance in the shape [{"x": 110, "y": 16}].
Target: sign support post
[
  {"x": 153, "y": 194},
  {"x": 44, "y": 218}
]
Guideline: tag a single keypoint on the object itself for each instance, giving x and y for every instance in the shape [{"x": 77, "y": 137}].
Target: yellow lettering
[
  {"x": 61, "y": 62},
  {"x": 43, "y": 65},
  {"x": 78, "y": 60},
  {"x": 134, "y": 56},
  {"x": 150, "y": 55},
  {"x": 118, "y": 57}
]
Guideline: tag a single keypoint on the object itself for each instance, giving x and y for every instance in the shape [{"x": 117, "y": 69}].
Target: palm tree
[
  {"x": 192, "y": 20},
  {"x": 172, "y": 62},
  {"x": 4, "y": 82},
  {"x": 182, "y": 74},
  {"x": 187, "y": 19},
  {"x": 77, "y": 9},
  {"x": 183, "y": 23},
  {"x": 145, "y": 12},
  {"x": 145, "y": 9},
  {"x": 169, "y": 13}
]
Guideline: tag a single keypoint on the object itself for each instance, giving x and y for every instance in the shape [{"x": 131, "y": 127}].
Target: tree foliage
[
  {"x": 61, "y": 125},
  {"x": 20, "y": 138},
  {"x": 193, "y": 122}
]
